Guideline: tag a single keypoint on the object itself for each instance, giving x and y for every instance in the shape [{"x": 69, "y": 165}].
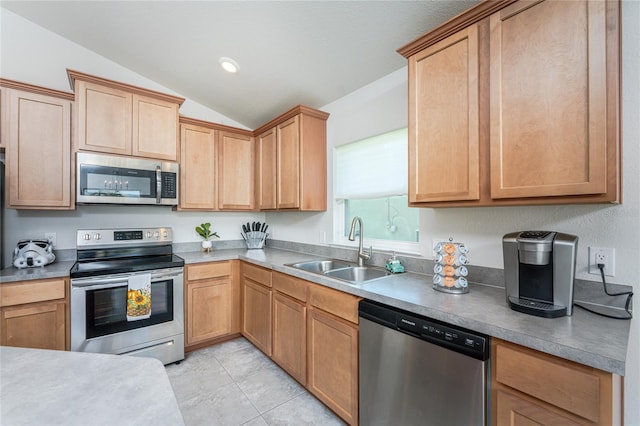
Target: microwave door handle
[{"x": 158, "y": 184}]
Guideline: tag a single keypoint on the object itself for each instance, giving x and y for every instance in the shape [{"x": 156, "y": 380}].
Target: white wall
[{"x": 32, "y": 54}]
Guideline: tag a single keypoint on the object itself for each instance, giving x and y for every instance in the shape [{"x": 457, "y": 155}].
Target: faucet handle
[{"x": 369, "y": 254}]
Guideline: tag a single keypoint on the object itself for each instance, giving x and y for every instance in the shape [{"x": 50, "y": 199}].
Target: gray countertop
[
  {"x": 43, "y": 387},
  {"x": 584, "y": 337}
]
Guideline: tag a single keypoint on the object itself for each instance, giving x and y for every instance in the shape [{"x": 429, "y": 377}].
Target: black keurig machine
[{"x": 539, "y": 271}]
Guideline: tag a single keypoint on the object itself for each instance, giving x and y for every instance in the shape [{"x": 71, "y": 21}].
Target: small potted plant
[{"x": 204, "y": 230}]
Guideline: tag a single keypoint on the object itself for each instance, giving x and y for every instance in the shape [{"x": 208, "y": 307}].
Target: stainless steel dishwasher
[{"x": 418, "y": 371}]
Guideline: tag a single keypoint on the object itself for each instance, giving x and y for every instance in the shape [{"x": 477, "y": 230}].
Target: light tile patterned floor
[{"x": 233, "y": 384}]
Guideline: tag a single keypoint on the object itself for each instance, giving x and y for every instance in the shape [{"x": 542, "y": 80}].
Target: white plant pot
[{"x": 207, "y": 246}]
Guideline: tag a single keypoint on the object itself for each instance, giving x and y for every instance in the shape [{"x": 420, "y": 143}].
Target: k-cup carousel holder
[{"x": 449, "y": 269}]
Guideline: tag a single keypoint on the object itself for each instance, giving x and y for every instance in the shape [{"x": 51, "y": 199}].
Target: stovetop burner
[{"x": 119, "y": 251}]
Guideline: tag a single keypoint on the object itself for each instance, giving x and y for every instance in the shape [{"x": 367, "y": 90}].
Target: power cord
[{"x": 629, "y": 295}]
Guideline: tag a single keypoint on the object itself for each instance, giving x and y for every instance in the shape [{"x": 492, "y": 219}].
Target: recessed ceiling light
[{"x": 229, "y": 65}]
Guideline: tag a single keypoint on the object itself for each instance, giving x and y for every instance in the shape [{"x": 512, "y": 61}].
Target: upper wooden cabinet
[
  {"x": 517, "y": 103},
  {"x": 216, "y": 166},
  {"x": 36, "y": 128},
  {"x": 291, "y": 161},
  {"x": 118, "y": 118}
]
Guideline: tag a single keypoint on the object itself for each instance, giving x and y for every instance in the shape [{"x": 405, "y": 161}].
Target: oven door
[{"x": 99, "y": 318}]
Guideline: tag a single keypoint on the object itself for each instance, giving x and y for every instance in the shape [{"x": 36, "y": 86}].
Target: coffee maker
[{"x": 539, "y": 271}]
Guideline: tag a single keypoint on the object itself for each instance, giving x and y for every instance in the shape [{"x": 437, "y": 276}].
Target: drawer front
[
  {"x": 340, "y": 304},
  {"x": 32, "y": 291},
  {"x": 208, "y": 270},
  {"x": 570, "y": 386},
  {"x": 290, "y": 286},
  {"x": 257, "y": 274}
]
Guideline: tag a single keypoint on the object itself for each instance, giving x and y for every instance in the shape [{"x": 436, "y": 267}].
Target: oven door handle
[{"x": 99, "y": 283}]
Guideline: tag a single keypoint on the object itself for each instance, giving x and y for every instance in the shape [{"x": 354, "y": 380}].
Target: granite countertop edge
[{"x": 483, "y": 309}]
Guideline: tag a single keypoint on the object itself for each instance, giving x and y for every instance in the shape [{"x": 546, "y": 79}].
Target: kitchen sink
[
  {"x": 321, "y": 266},
  {"x": 341, "y": 270},
  {"x": 357, "y": 274}
]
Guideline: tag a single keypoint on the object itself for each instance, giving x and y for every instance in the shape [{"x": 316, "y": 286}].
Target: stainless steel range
[{"x": 109, "y": 262}]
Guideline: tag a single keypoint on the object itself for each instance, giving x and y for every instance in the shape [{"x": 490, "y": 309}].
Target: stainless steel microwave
[{"x": 111, "y": 179}]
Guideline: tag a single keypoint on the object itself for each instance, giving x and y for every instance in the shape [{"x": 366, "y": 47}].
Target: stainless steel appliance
[
  {"x": 418, "y": 371},
  {"x": 107, "y": 259},
  {"x": 110, "y": 179},
  {"x": 30, "y": 253},
  {"x": 539, "y": 272}
]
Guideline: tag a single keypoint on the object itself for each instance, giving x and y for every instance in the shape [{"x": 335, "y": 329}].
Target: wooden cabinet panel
[
  {"x": 444, "y": 123},
  {"x": 548, "y": 99},
  {"x": 290, "y": 336},
  {"x": 36, "y": 325},
  {"x": 266, "y": 170},
  {"x": 516, "y": 411},
  {"x": 38, "y": 137},
  {"x": 208, "y": 270},
  {"x": 257, "y": 274},
  {"x": 103, "y": 119},
  {"x": 155, "y": 128},
  {"x": 197, "y": 168},
  {"x": 332, "y": 353},
  {"x": 288, "y": 163},
  {"x": 256, "y": 314},
  {"x": 209, "y": 309},
  {"x": 335, "y": 302},
  {"x": 235, "y": 171},
  {"x": 291, "y": 286},
  {"x": 32, "y": 291}
]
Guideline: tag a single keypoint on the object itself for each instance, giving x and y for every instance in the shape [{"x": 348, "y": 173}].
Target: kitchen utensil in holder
[
  {"x": 449, "y": 269},
  {"x": 255, "y": 239}
]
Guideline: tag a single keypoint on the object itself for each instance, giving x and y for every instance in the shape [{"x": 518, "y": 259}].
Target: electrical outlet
[
  {"x": 51, "y": 236},
  {"x": 606, "y": 256}
]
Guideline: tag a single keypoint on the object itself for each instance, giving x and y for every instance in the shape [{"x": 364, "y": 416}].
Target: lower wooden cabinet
[
  {"x": 210, "y": 311},
  {"x": 529, "y": 387},
  {"x": 35, "y": 314},
  {"x": 256, "y": 306}
]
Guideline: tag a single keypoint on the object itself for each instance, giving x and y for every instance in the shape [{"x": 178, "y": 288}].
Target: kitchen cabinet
[
  {"x": 235, "y": 171},
  {"x": 332, "y": 350},
  {"x": 210, "y": 311},
  {"x": 529, "y": 386},
  {"x": 35, "y": 314},
  {"x": 291, "y": 161},
  {"x": 198, "y": 186},
  {"x": 36, "y": 128},
  {"x": 118, "y": 118},
  {"x": 257, "y": 298},
  {"x": 290, "y": 325},
  {"x": 516, "y": 103}
]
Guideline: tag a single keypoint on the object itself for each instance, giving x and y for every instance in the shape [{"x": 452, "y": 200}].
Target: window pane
[{"x": 387, "y": 218}]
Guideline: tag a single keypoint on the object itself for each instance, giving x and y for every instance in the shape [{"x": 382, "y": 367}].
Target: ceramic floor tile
[
  {"x": 269, "y": 388},
  {"x": 196, "y": 375},
  {"x": 302, "y": 410},
  {"x": 226, "y": 405},
  {"x": 245, "y": 362},
  {"x": 230, "y": 346},
  {"x": 258, "y": 421}
]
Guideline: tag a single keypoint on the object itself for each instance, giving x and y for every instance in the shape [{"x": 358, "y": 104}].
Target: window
[{"x": 371, "y": 182}]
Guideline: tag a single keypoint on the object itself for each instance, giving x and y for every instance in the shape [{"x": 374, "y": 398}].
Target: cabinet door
[
  {"x": 290, "y": 336},
  {"x": 288, "y": 163},
  {"x": 104, "y": 118},
  {"x": 333, "y": 363},
  {"x": 209, "y": 309},
  {"x": 266, "y": 170},
  {"x": 235, "y": 171},
  {"x": 256, "y": 315},
  {"x": 444, "y": 120},
  {"x": 155, "y": 128},
  {"x": 513, "y": 410},
  {"x": 34, "y": 325},
  {"x": 548, "y": 99},
  {"x": 197, "y": 167},
  {"x": 39, "y": 150}
]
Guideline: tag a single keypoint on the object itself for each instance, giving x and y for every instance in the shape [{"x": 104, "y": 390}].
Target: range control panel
[{"x": 110, "y": 237}]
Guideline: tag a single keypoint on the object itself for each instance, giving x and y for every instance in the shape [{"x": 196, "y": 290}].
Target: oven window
[
  {"x": 116, "y": 182},
  {"x": 107, "y": 309}
]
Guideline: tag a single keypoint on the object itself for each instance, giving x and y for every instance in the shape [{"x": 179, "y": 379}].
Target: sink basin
[
  {"x": 321, "y": 266},
  {"x": 357, "y": 274}
]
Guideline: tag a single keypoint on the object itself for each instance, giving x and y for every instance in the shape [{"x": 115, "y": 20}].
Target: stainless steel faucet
[{"x": 362, "y": 256}]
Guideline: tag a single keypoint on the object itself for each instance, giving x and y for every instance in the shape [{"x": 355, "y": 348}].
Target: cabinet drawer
[
  {"x": 208, "y": 270},
  {"x": 257, "y": 274},
  {"x": 291, "y": 286},
  {"x": 336, "y": 302},
  {"x": 573, "y": 387},
  {"x": 32, "y": 291}
]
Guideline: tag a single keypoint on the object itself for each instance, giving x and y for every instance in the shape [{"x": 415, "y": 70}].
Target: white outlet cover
[{"x": 610, "y": 266}]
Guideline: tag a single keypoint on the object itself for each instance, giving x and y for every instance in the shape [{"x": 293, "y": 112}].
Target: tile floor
[{"x": 234, "y": 384}]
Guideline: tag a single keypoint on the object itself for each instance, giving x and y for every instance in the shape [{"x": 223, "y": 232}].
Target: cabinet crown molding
[
  {"x": 215, "y": 126},
  {"x": 26, "y": 87},
  {"x": 299, "y": 109},
  {"x": 77, "y": 75}
]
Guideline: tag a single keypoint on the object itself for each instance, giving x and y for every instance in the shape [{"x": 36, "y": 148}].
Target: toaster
[{"x": 31, "y": 253}]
